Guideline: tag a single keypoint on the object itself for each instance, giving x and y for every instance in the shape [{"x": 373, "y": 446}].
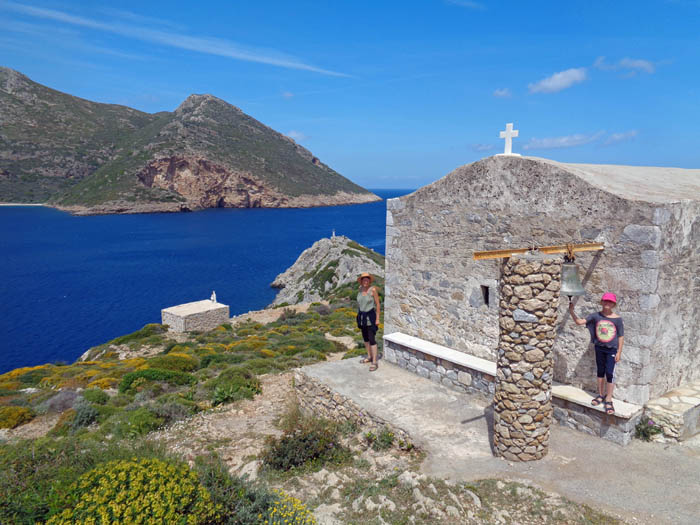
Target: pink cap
[{"x": 609, "y": 296}]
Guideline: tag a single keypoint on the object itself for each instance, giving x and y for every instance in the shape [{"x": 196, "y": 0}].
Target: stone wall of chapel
[{"x": 436, "y": 291}]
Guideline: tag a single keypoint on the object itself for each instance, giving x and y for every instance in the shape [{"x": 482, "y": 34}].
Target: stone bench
[
  {"x": 470, "y": 374},
  {"x": 449, "y": 367}
]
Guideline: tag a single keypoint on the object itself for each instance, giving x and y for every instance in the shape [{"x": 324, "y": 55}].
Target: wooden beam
[{"x": 561, "y": 248}]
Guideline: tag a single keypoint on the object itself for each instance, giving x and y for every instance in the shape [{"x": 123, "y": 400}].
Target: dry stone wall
[
  {"x": 317, "y": 399},
  {"x": 528, "y": 313}
]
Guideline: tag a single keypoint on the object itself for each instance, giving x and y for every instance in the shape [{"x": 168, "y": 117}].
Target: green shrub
[
  {"x": 132, "y": 423},
  {"x": 242, "y": 502},
  {"x": 145, "y": 333},
  {"x": 172, "y": 411},
  {"x": 381, "y": 441},
  {"x": 155, "y": 374},
  {"x": 148, "y": 489},
  {"x": 96, "y": 396},
  {"x": 35, "y": 474},
  {"x": 305, "y": 440},
  {"x": 34, "y": 377},
  {"x": 322, "y": 309},
  {"x": 120, "y": 400},
  {"x": 313, "y": 354},
  {"x": 646, "y": 428},
  {"x": 64, "y": 423},
  {"x": 179, "y": 363},
  {"x": 12, "y": 416},
  {"x": 210, "y": 359},
  {"x": 85, "y": 414},
  {"x": 234, "y": 384}
]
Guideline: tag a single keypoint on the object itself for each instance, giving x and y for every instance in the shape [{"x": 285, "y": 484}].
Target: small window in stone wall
[{"x": 485, "y": 294}]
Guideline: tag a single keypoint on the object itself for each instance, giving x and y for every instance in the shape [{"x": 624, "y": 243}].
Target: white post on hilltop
[{"x": 508, "y": 134}]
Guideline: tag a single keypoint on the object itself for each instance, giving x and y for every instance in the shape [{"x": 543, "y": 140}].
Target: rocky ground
[{"x": 377, "y": 486}]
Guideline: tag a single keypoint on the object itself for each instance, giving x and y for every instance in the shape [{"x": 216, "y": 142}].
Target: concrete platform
[
  {"x": 471, "y": 374},
  {"x": 649, "y": 482}
]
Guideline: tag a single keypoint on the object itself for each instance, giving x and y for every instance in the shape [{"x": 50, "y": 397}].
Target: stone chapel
[{"x": 647, "y": 218}]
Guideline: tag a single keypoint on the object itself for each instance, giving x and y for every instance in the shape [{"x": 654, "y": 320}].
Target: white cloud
[
  {"x": 483, "y": 147},
  {"x": 616, "y": 138},
  {"x": 559, "y": 81},
  {"x": 631, "y": 65},
  {"x": 502, "y": 93},
  {"x": 467, "y": 3},
  {"x": 287, "y": 94},
  {"x": 567, "y": 141},
  {"x": 205, "y": 45},
  {"x": 297, "y": 136}
]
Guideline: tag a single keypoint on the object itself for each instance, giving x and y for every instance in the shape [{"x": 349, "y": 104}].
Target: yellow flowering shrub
[
  {"x": 11, "y": 417},
  {"x": 13, "y": 374},
  {"x": 104, "y": 383},
  {"x": 10, "y": 385},
  {"x": 138, "y": 491},
  {"x": 134, "y": 362},
  {"x": 266, "y": 352},
  {"x": 287, "y": 510}
]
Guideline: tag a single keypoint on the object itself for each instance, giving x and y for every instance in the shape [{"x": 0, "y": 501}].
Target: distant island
[{"x": 91, "y": 158}]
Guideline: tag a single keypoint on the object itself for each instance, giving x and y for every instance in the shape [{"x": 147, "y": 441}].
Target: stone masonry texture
[
  {"x": 199, "y": 321},
  {"x": 527, "y": 318},
  {"x": 437, "y": 292}
]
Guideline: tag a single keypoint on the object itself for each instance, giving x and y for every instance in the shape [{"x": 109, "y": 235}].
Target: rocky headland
[
  {"x": 90, "y": 158},
  {"x": 324, "y": 268}
]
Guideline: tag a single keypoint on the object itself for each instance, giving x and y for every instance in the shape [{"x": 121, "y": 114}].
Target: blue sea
[{"x": 69, "y": 283}]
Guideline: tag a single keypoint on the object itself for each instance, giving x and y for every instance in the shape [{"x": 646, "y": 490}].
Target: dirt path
[
  {"x": 270, "y": 315},
  {"x": 236, "y": 432}
]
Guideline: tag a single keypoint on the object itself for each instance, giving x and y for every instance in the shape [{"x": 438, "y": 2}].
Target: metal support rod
[{"x": 561, "y": 248}]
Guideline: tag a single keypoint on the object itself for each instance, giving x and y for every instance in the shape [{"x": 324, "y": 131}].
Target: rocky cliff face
[
  {"x": 87, "y": 157},
  {"x": 205, "y": 184},
  {"x": 324, "y": 267}
]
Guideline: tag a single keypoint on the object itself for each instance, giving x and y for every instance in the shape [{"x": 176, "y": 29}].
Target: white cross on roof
[{"x": 508, "y": 134}]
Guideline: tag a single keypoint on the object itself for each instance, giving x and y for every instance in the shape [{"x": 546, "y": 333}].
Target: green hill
[{"x": 207, "y": 153}]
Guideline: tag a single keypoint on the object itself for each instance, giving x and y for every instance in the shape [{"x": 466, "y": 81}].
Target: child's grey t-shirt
[{"x": 605, "y": 331}]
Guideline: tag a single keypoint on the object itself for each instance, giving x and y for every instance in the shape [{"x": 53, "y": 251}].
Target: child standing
[{"x": 608, "y": 335}]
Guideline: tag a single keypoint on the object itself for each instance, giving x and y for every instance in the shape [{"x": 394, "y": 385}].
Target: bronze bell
[{"x": 570, "y": 283}]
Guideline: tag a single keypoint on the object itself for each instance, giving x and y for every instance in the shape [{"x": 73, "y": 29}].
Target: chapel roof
[{"x": 642, "y": 183}]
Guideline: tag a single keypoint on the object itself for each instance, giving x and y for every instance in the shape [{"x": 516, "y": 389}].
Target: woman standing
[{"x": 368, "y": 317}]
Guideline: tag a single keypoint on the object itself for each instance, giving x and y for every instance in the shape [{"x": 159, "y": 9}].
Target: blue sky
[{"x": 392, "y": 94}]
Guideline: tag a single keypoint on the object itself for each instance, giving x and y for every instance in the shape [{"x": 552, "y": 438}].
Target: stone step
[
  {"x": 677, "y": 412},
  {"x": 467, "y": 373}
]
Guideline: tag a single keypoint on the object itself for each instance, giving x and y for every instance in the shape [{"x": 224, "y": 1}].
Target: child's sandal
[
  {"x": 373, "y": 367},
  {"x": 366, "y": 360},
  {"x": 609, "y": 408},
  {"x": 597, "y": 401}
]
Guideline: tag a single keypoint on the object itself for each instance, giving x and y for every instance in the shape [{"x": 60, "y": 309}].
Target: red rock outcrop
[{"x": 205, "y": 184}]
